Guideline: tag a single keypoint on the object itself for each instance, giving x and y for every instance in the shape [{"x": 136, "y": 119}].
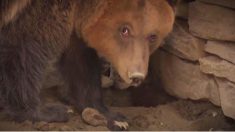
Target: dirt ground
[{"x": 147, "y": 112}]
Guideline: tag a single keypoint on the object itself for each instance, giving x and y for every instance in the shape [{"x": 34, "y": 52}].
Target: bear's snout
[{"x": 136, "y": 78}]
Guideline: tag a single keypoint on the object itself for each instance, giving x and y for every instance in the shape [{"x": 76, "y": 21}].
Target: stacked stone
[{"x": 198, "y": 59}]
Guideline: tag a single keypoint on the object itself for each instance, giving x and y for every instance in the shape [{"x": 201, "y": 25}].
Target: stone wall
[{"x": 197, "y": 61}]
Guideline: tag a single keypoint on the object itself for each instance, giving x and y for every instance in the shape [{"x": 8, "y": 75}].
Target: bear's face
[{"x": 127, "y": 32}]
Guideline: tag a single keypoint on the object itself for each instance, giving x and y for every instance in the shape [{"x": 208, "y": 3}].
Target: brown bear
[{"x": 76, "y": 33}]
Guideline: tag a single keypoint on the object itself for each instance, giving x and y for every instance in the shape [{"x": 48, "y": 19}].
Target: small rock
[{"x": 214, "y": 114}]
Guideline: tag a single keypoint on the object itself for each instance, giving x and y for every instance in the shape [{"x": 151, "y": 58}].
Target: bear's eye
[
  {"x": 125, "y": 31},
  {"x": 152, "y": 38}
]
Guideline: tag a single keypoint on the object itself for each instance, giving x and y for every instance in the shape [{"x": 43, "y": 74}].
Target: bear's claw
[
  {"x": 122, "y": 125},
  {"x": 113, "y": 121}
]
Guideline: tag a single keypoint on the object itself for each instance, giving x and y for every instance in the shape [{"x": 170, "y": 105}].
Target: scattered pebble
[{"x": 214, "y": 114}]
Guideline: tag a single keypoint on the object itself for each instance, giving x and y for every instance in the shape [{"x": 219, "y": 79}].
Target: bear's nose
[{"x": 136, "y": 78}]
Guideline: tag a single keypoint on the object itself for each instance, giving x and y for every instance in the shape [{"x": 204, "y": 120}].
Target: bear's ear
[{"x": 173, "y": 3}]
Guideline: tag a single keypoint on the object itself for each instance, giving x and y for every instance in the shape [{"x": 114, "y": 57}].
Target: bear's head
[{"x": 126, "y": 32}]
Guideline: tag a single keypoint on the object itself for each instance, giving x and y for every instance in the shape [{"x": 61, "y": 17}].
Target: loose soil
[{"x": 150, "y": 111}]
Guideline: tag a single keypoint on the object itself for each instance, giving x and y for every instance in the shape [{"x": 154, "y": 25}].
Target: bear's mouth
[{"x": 118, "y": 82}]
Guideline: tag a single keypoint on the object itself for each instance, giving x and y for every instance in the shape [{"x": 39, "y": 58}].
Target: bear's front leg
[
  {"x": 21, "y": 68},
  {"x": 81, "y": 68}
]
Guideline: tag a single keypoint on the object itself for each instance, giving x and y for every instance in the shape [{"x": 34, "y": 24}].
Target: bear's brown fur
[
  {"x": 10, "y": 9},
  {"x": 76, "y": 33}
]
